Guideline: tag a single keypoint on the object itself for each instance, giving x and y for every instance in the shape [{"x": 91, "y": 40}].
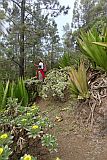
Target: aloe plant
[
  {"x": 78, "y": 82},
  {"x": 14, "y": 90},
  {"x": 93, "y": 46},
  {"x": 20, "y": 92}
]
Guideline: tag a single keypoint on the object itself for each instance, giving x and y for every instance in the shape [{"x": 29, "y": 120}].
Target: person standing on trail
[{"x": 40, "y": 70}]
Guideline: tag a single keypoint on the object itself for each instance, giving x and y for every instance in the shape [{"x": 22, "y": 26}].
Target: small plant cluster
[
  {"x": 55, "y": 84},
  {"x": 5, "y": 141},
  {"x": 25, "y": 124}
]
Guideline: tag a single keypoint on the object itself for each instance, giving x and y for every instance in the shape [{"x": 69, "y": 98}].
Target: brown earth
[{"x": 77, "y": 140}]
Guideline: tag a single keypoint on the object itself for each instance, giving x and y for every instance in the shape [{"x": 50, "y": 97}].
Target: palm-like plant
[
  {"x": 90, "y": 43},
  {"x": 78, "y": 82}
]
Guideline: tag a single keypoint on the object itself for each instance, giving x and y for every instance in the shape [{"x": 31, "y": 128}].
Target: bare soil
[{"x": 77, "y": 137}]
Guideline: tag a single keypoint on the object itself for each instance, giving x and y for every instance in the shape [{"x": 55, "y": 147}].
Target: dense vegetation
[{"x": 29, "y": 32}]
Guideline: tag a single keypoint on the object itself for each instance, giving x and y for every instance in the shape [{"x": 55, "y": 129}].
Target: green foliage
[
  {"x": 5, "y": 94},
  {"x": 104, "y": 38},
  {"x": 33, "y": 87},
  {"x": 1, "y": 92},
  {"x": 5, "y": 141},
  {"x": 95, "y": 53},
  {"x": 14, "y": 90},
  {"x": 4, "y": 152},
  {"x": 29, "y": 122},
  {"x": 65, "y": 60},
  {"x": 78, "y": 82},
  {"x": 87, "y": 12},
  {"x": 103, "y": 44},
  {"x": 86, "y": 15},
  {"x": 69, "y": 58},
  {"x": 49, "y": 141},
  {"x": 21, "y": 92},
  {"x": 55, "y": 84},
  {"x": 38, "y": 32}
]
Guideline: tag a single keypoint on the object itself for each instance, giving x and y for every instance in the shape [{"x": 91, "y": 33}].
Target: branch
[
  {"x": 12, "y": 59},
  {"x": 53, "y": 9},
  {"x": 16, "y": 3}
]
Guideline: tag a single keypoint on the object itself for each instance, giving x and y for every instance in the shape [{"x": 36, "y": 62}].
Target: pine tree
[{"x": 28, "y": 24}]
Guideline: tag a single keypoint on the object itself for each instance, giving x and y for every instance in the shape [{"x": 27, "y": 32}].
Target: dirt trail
[{"x": 75, "y": 142}]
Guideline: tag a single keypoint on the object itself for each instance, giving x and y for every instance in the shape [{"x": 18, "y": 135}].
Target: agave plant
[
  {"x": 90, "y": 43},
  {"x": 78, "y": 82}
]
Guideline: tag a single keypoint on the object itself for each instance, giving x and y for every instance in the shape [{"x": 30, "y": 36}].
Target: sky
[{"x": 63, "y": 19}]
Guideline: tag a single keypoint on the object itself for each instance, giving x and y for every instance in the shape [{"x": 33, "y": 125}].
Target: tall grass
[{"x": 14, "y": 90}]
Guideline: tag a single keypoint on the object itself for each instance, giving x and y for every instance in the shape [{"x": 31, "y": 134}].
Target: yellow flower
[
  {"x": 35, "y": 127},
  {"x": 3, "y": 136},
  {"x": 39, "y": 117},
  {"x": 28, "y": 114},
  {"x": 27, "y": 157},
  {"x": 33, "y": 107},
  {"x": 1, "y": 150},
  {"x": 58, "y": 158},
  {"x": 24, "y": 120}
]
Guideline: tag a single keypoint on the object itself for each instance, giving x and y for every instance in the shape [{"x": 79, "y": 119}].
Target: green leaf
[
  {"x": 103, "y": 44},
  {"x": 78, "y": 82},
  {"x": 5, "y": 94}
]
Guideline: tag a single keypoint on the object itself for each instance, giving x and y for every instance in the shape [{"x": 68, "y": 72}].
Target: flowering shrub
[
  {"x": 28, "y": 157},
  {"x": 28, "y": 130},
  {"x": 4, "y": 152},
  {"x": 5, "y": 139},
  {"x": 55, "y": 84}
]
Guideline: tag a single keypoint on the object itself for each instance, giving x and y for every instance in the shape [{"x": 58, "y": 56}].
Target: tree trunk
[
  {"x": 52, "y": 57},
  {"x": 22, "y": 55},
  {"x": 52, "y": 60}
]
